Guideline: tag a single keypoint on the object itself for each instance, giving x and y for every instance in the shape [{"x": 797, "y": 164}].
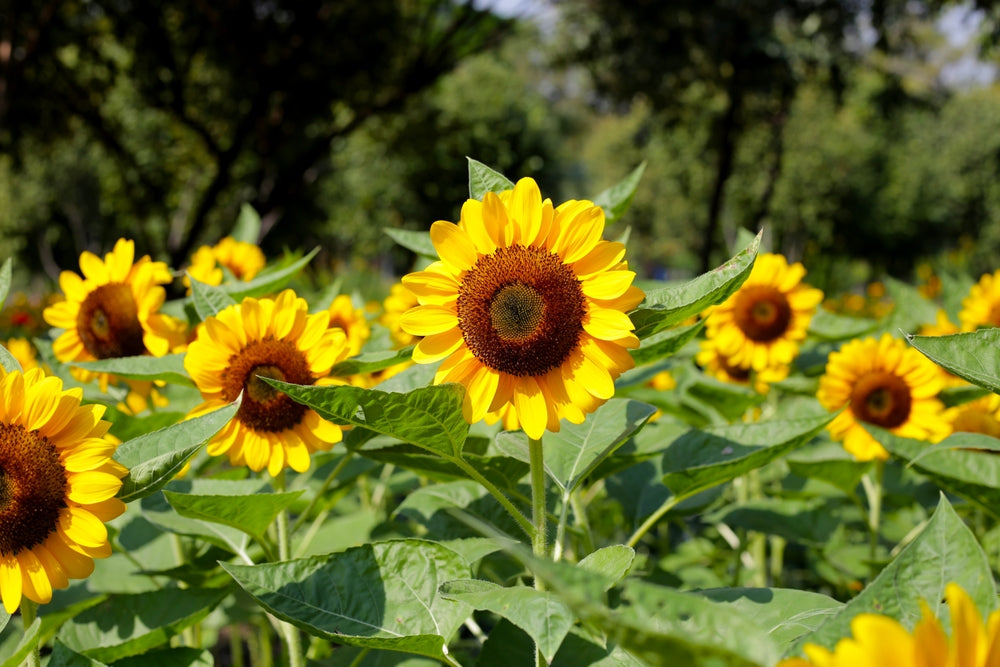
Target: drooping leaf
[
  {"x": 382, "y": 595},
  {"x": 829, "y": 463},
  {"x": 418, "y": 242},
  {"x": 372, "y": 361},
  {"x": 430, "y": 417},
  {"x": 433, "y": 507},
  {"x": 809, "y": 521},
  {"x": 482, "y": 179},
  {"x": 8, "y": 362},
  {"x": 154, "y": 458},
  {"x": 253, "y": 514},
  {"x": 665, "y": 344},
  {"x": 702, "y": 459},
  {"x": 125, "y": 625},
  {"x": 503, "y": 471},
  {"x": 617, "y": 199},
  {"x": 945, "y": 551},
  {"x": 29, "y": 640},
  {"x": 247, "y": 227},
  {"x": 158, "y": 512},
  {"x": 541, "y": 614},
  {"x": 786, "y": 613},
  {"x": 168, "y": 368},
  {"x": 965, "y": 464},
  {"x": 972, "y": 356},
  {"x": 209, "y": 300},
  {"x": 669, "y": 306}
]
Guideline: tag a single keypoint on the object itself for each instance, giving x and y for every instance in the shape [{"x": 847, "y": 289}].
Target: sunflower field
[{"x": 525, "y": 454}]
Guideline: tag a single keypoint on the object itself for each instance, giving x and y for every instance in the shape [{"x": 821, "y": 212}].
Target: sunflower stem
[
  {"x": 337, "y": 469},
  {"x": 29, "y": 611},
  {"x": 526, "y": 525},
  {"x": 293, "y": 640},
  {"x": 538, "y": 515},
  {"x": 873, "y": 485},
  {"x": 651, "y": 520}
]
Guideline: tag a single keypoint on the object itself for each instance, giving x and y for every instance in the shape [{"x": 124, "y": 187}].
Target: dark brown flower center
[
  {"x": 882, "y": 399},
  {"x": 762, "y": 313},
  {"x": 32, "y": 488},
  {"x": 521, "y": 310},
  {"x": 264, "y": 408},
  {"x": 108, "y": 323}
]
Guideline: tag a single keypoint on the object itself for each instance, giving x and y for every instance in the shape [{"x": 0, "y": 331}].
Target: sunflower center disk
[
  {"x": 108, "y": 323},
  {"x": 882, "y": 399},
  {"x": 264, "y": 408},
  {"x": 32, "y": 488},
  {"x": 521, "y": 310},
  {"x": 762, "y": 313}
]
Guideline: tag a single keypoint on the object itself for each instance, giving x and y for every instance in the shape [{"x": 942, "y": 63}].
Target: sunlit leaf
[
  {"x": 834, "y": 327},
  {"x": 8, "y": 362},
  {"x": 29, "y": 640},
  {"x": 125, "y": 625},
  {"x": 611, "y": 562},
  {"x": 372, "y": 362},
  {"x": 268, "y": 281},
  {"x": 617, "y": 199},
  {"x": 247, "y": 227},
  {"x": 168, "y": 368},
  {"x": 380, "y": 596},
  {"x": 208, "y": 300},
  {"x": 430, "y": 417},
  {"x": 253, "y": 514},
  {"x": 542, "y": 615},
  {"x": 669, "y": 306},
  {"x": 701, "y": 459},
  {"x": 6, "y": 270},
  {"x": 945, "y": 551},
  {"x": 972, "y": 356},
  {"x": 482, "y": 179},
  {"x": 665, "y": 344},
  {"x": 418, "y": 242},
  {"x": 154, "y": 458}
]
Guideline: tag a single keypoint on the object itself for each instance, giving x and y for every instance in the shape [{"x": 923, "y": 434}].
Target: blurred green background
[{"x": 863, "y": 135}]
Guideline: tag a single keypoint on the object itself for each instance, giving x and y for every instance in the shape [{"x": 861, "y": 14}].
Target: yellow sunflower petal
[
  {"x": 525, "y": 207},
  {"x": 10, "y": 582},
  {"x": 454, "y": 245},
  {"x": 91, "y": 487},
  {"x": 529, "y": 402},
  {"x": 608, "y": 285},
  {"x": 35, "y": 583},
  {"x": 79, "y": 526},
  {"x": 429, "y": 320}
]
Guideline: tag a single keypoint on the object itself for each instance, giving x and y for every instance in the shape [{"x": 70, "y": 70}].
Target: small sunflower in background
[
  {"x": 113, "y": 310},
  {"x": 885, "y": 382},
  {"x": 981, "y": 415},
  {"x": 526, "y": 308},
  {"x": 981, "y": 308},
  {"x": 25, "y": 353},
  {"x": 352, "y": 321},
  {"x": 881, "y": 641},
  {"x": 243, "y": 260},
  {"x": 721, "y": 368},
  {"x": 57, "y": 486},
  {"x": 401, "y": 298},
  {"x": 272, "y": 338},
  {"x": 762, "y": 324}
]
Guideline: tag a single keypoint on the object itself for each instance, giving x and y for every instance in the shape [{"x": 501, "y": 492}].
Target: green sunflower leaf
[
  {"x": 371, "y": 362},
  {"x": 268, "y": 281},
  {"x": 617, "y": 199},
  {"x": 700, "y": 459},
  {"x": 612, "y": 562},
  {"x": 65, "y": 657},
  {"x": 154, "y": 458},
  {"x": 430, "y": 417},
  {"x": 945, "y": 551},
  {"x": 126, "y": 625},
  {"x": 539, "y": 613},
  {"x": 247, "y": 227},
  {"x": 29, "y": 640},
  {"x": 208, "y": 300},
  {"x": 380, "y": 596},
  {"x": 418, "y": 242},
  {"x": 971, "y": 356},
  {"x": 178, "y": 656},
  {"x": 253, "y": 514},
  {"x": 665, "y": 344},
  {"x": 965, "y": 464},
  {"x": 833, "y": 327},
  {"x": 168, "y": 368},
  {"x": 6, "y": 270},
  {"x": 669, "y": 306},
  {"x": 482, "y": 179},
  {"x": 8, "y": 361}
]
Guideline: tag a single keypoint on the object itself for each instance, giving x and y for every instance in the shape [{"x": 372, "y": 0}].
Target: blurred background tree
[{"x": 859, "y": 134}]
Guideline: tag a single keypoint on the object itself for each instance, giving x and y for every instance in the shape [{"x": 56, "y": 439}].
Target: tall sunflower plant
[{"x": 521, "y": 452}]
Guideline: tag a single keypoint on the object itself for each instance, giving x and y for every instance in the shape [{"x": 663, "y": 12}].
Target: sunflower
[
  {"x": 113, "y": 310},
  {"x": 274, "y": 338},
  {"x": 883, "y": 382},
  {"x": 203, "y": 268},
  {"x": 57, "y": 486},
  {"x": 351, "y": 320},
  {"x": 22, "y": 350},
  {"x": 981, "y": 308},
  {"x": 981, "y": 415},
  {"x": 722, "y": 368},
  {"x": 243, "y": 260},
  {"x": 881, "y": 641},
  {"x": 526, "y": 307},
  {"x": 762, "y": 324},
  {"x": 400, "y": 300}
]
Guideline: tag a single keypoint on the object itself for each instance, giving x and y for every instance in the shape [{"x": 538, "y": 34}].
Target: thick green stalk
[
  {"x": 293, "y": 640},
  {"x": 470, "y": 470},
  {"x": 538, "y": 515},
  {"x": 873, "y": 485},
  {"x": 29, "y": 611}
]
